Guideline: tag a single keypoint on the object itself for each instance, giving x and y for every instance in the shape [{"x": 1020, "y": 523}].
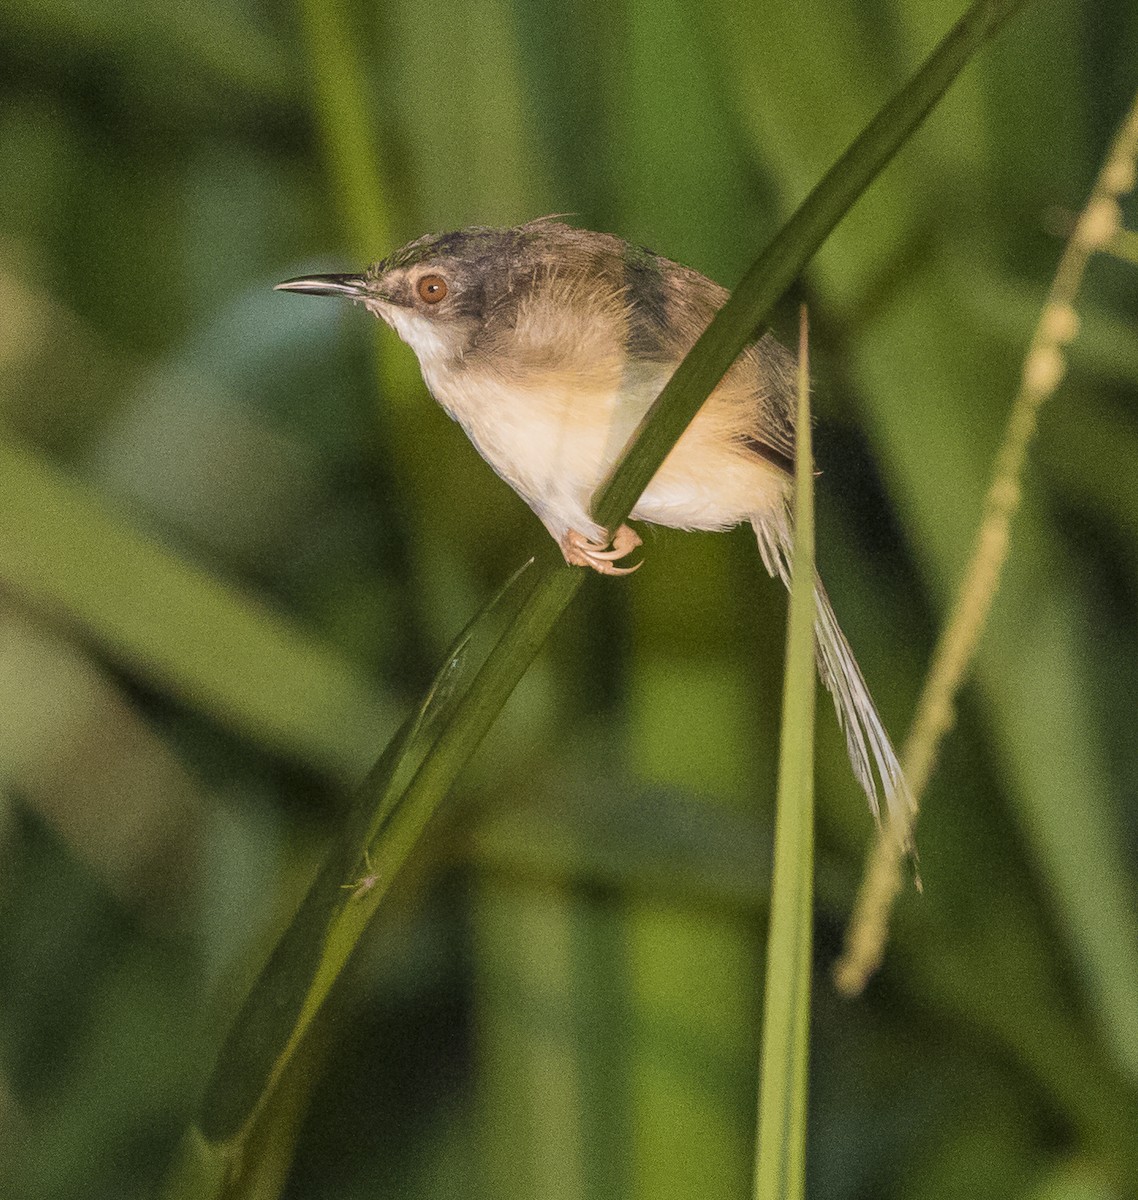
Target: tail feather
[{"x": 866, "y": 740}]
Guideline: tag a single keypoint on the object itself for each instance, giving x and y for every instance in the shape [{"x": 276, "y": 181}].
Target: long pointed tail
[{"x": 866, "y": 740}]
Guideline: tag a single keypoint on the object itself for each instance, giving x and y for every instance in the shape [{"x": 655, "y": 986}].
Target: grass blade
[
  {"x": 780, "y": 1155},
  {"x": 388, "y": 816},
  {"x": 795, "y": 244}
]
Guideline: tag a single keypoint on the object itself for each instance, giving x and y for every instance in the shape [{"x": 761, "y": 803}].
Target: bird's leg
[{"x": 581, "y": 551}]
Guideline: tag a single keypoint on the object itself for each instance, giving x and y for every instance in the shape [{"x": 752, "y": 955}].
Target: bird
[{"x": 547, "y": 344}]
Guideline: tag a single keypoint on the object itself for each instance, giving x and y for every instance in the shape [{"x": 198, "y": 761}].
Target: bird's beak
[{"x": 353, "y": 286}]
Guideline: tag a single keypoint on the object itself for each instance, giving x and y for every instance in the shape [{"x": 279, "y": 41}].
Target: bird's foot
[{"x": 581, "y": 551}]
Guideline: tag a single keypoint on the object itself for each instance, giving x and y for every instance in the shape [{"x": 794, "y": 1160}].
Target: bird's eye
[{"x": 432, "y": 289}]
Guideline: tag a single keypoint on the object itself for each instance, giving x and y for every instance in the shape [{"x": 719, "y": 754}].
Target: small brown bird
[{"x": 548, "y": 344}]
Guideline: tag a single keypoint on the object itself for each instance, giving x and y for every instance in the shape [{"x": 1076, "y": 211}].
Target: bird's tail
[{"x": 866, "y": 740}]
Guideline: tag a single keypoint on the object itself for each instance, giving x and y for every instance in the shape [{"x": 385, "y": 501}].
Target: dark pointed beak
[{"x": 353, "y": 286}]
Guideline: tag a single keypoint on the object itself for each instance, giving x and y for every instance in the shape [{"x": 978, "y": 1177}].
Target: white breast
[
  {"x": 555, "y": 446},
  {"x": 552, "y": 444}
]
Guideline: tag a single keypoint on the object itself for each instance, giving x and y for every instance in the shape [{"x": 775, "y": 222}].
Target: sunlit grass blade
[{"x": 781, "y": 1147}]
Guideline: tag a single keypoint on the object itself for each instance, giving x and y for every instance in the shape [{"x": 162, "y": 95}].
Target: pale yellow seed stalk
[{"x": 1044, "y": 367}]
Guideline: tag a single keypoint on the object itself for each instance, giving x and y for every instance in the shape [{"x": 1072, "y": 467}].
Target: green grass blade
[
  {"x": 313, "y": 950},
  {"x": 342, "y": 102},
  {"x": 341, "y": 107},
  {"x": 795, "y": 244},
  {"x": 781, "y": 1149}
]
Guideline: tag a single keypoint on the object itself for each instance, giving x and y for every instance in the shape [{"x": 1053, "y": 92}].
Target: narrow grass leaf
[
  {"x": 749, "y": 306},
  {"x": 313, "y": 950},
  {"x": 780, "y": 1155}
]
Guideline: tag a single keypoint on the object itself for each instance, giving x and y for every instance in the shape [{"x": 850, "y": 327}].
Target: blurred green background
[{"x": 236, "y": 536}]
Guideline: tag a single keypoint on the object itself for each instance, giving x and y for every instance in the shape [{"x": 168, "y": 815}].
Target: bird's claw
[{"x": 582, "y": 551}]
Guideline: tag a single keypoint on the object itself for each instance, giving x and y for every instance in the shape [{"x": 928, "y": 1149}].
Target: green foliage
[{"x": 228, "y": 572}]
